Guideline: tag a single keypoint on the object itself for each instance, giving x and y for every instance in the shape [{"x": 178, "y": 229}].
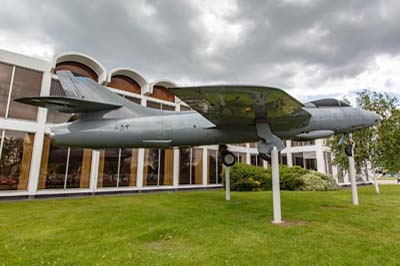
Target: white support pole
[
  {"x": 276, "y": 196},
  {"x": 228, "y": 183},
  {"x": 352, "y": 172}
]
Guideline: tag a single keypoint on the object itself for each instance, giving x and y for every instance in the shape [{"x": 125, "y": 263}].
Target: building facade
[{"x": 30, "y": 166}]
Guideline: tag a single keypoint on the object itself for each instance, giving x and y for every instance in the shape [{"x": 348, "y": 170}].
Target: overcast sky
[{"x": 309, "y": 48}]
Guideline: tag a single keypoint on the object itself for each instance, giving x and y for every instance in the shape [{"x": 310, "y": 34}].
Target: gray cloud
[{"x": 258, "y": 42}]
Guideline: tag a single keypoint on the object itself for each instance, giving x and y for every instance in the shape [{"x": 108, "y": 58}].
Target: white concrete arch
[
  {"x": 130, "y": 73},
  {"x": 85, "y": 60}
]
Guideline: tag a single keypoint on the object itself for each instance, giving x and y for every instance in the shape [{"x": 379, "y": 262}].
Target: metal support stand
[
  {"x": 275, "y": 187},
  {"x": 352, "y": 172},
  {"x": 228, "y": 183}
]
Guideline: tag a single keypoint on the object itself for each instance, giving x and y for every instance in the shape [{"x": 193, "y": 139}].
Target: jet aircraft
[{"x": 221, "y": 114}]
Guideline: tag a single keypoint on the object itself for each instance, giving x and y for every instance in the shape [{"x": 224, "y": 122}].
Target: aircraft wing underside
[{"x": 236, "y": 105}]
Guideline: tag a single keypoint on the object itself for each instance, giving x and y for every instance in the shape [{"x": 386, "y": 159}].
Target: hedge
[{"x": 246, "y": 177}]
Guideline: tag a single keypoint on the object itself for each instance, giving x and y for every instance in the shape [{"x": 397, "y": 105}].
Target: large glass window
[
  {"x": 298, "y": 159},
  {"x": 296, "y": 143},
  {"x": 310, "y": 160},
  {"x": 214, "y": 167},
  {"x": 282, "y": 158},
  {"x": 27, "y": 83},
  {"x": 133, "y": 99},
  {"x": 15, "y": 159},
  {"x": 160, "y": 106},
  {"x": 158, "y": 167},
  {"x": 5, "y": 79},
  {"x": 153, "y": 105},
  {"x": 128, "y": 167},
  {"x": 117, "y": 168},
  {"x": 241, "y": 157},
  {"x": 256, "y": 160},
  {"x": 108, "y": 168},
  {"x": 191, "y": 166},
  {"x": 168, "y": 107},
  {"x": 63, "y": 168}
]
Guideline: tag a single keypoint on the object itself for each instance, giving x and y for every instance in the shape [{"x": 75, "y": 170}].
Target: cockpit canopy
[{"x": 330, "y": 102}]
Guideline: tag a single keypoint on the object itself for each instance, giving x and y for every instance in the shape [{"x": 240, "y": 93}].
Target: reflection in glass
[
  {"x": 158, "y": 167},
  {"x": 298, "y": 159},
  {"x": 108, "y": 168},
  {"x": 256, "y": 160},
  {"x": 241, "y": 157},
  {"x": 27, "y": 83},
  {"x": 15, "y": 159},
  {"x": 184, "y": 166},
  {"x": 214, "y": 167},
  {"x": 117, "y": 168},
  {"x": 5, "y": 79},
  {"x": 191, "y": 166},
  {"x": 153, "y": 105},
  {"x": 168, "y": 107},
  {"x": 151, "y": 165},
  {"x": 63, "y": 168},
  {"x": 128, "y": 167},
  {"x": 133, "y": 99},
  {"x": 52, "y": 172},
  {"x": 197, "y": 166},
  {"x": 79, "y": 163},
  {"x": 167, "y": 163}
]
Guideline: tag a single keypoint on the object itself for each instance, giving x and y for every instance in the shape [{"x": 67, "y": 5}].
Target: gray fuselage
[{"x": 165, "y": 129}]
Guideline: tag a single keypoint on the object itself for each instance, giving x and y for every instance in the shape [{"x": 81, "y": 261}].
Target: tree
[
  {"x": 373, "y": 143},
  {"x": 388, "y": 143}
]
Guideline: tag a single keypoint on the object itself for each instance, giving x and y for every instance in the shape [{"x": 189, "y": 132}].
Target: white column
[
  {"x": 36, "y": 160},
  {"x": 94, "y": 171},
  {"x": 289, "y": 157},
  {"x": 352, "y": 171},
  {"x": 319, "y": 152},
  {"x": 248, "y": 158},
  {"x": 140, "y": 165},
  {"x": 205, "y": 166},
  {"x": 275, "y": 187},
  {"x": 228, "y": 183},
  {"x": 39, "y": 138},
  {"x": 175, "y": 172}
]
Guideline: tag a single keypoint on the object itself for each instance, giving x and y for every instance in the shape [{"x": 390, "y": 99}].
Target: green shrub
[
  {"x": 315, "y": 181},
  {"x": 248, "y": 178},
  {"x": 290, "y": 177}
]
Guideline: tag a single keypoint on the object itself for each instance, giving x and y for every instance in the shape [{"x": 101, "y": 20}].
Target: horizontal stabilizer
[{"x": 68, "y": 104}]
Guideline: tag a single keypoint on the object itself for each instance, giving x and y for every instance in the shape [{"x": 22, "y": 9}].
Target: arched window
[
  {"x": 124, "y": 83},
  {"x": 78, "y": 69}
]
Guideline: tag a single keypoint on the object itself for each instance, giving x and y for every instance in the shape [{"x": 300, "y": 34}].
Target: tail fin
[{"x": 82, "y": 95}]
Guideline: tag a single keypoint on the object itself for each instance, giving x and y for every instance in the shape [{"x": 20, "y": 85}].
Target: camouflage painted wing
[{"x": 236, "y": 105}]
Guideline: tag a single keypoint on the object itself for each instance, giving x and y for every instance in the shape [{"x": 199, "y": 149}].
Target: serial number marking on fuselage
[{"x": 122, "y": 127}]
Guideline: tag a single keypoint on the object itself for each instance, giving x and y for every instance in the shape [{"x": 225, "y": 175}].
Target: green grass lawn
[{"x": 200, "y": 228}]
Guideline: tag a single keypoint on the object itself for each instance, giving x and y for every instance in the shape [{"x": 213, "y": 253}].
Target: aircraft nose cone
[{"x": 377, "y": 118}]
